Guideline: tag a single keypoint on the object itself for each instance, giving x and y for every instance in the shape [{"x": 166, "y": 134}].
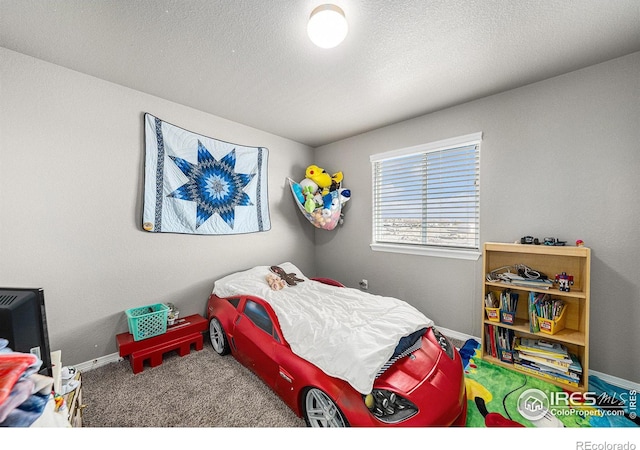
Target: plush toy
[
  {"x": 336, "y": 181},
  {"x": 331, "y": 202},
  {"x": 289, "y": 278},
  {"x": 327, "y": 200},
  {"x": 344, "y": 195},
  {"x": 309, "y": 199},
  {"x": 297, "y": 191},
  {"x": 318, "y": 176},
  {"x": 326, "y": 183},
  {"x": 307, "y": 182},
  {"x": 275, "y": 282}
]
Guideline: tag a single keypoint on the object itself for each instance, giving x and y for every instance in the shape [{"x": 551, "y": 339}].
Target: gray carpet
[
  {"x": 199, "y": 390},
  {"x": 202, "y": 389}
]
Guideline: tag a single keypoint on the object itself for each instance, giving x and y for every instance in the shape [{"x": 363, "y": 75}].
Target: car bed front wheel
[
  {"x": 218, "y": 337},
  {"x": 320, "y": 411}
]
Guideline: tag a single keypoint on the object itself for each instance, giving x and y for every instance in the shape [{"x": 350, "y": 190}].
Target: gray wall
[
  {"x": 559, "y": 158},
  {"x": 71, "y": 174}
]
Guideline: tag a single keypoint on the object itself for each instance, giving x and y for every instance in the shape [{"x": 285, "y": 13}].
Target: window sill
[{"x": 471, "y": 255}]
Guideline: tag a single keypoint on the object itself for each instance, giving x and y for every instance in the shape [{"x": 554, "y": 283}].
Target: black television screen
[{"x": 23, "y": 322}]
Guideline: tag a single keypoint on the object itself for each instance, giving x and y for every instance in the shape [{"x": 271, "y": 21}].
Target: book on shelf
[
  {"x": 499, "y": 342},
  {"x": 495, "y": 340},
  {"x": 488, "y": 343},
  {"x": 533, "y": 318},
  {"x": 532, "y": 371},
  {"x": 549, "y": 308},
  {"x": 549, "y": 360},
  {"x": 554, "y": 363},
  {"x": 557, "y": 358},
  {"x": 504, "y": 338},
  {"x": 547, "y": 369},
  {"x": 537, "y": 283},
  {"x": 508, "y": 300},
  {"x": 568, "y": 372},
  {"x": 491, "y": 301},
  {"x": 541, "y": 346},
  {"x": 576, "y": 366}
]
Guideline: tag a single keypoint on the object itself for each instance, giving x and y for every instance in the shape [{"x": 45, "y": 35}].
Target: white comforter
[{"x": 347, "y": 333}]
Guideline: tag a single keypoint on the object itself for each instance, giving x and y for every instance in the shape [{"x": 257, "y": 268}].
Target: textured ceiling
[{"x": 250, "y": 61}]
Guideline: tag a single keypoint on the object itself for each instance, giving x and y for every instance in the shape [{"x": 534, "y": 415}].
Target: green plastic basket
[{"x": 147, "y": 321}]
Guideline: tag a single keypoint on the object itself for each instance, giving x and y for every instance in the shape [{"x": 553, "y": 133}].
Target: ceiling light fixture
[{"x": 327, "y": 26}]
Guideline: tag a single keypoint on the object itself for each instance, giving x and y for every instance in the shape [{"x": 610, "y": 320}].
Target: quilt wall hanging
[{"x": 195, "y": 184}]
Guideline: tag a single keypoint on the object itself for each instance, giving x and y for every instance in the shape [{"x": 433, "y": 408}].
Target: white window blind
[{"x": 428, "y": 196}]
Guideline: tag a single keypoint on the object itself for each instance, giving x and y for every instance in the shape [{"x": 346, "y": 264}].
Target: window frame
[{"x": 419, "y": 249}]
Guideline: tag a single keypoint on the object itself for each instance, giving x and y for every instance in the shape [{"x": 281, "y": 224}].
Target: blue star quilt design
[
  {"x": 196, "y": 184},
  {"x": 213, "y": 185}
]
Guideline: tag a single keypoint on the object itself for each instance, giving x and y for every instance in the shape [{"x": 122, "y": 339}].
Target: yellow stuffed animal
[
  {"x": 325, "y": 182},
  {"x": 319, "y": 176}
]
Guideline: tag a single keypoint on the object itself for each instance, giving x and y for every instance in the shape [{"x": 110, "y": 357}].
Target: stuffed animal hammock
[{"x": 320, "y": 217}]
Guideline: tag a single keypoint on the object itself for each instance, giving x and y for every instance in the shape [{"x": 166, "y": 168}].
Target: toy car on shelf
[{"x": 424, "y": 386}]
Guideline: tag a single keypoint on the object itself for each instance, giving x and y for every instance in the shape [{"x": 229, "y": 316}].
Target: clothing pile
[{"x": 24, "y": 392}]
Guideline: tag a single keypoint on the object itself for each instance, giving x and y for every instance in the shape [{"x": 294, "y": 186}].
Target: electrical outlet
[{"x": 364, "y": 285}]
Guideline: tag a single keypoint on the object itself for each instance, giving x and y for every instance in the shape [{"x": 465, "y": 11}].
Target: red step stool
[{"x": 180, "y": 336}]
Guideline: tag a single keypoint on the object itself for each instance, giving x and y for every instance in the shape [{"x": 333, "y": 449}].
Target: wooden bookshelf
[{"x": 549, "y": 260}]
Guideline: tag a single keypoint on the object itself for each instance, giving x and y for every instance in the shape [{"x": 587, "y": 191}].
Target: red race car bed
[{"x": 338, "y": 356}]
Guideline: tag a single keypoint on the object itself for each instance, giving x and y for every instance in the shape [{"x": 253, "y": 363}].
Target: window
[
  {"x": 258, "y": 315},
  {"x": 426, "y": 199}
]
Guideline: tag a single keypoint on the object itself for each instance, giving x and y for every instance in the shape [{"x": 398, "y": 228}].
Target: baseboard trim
[
  {"x": 457, "y": 335},
  {"x": 98, "y": 362},
  {"x": 620, "y": 382},
  {"x": 616, "y": 381}
]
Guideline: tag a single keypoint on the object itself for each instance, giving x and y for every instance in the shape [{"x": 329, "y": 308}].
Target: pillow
[{"x": 252, "y": 281}]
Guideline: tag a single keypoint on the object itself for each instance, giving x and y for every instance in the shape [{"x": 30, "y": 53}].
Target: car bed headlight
[
  {"x": 388, "y": 406},
  {"x": 444, "y": 343}
]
